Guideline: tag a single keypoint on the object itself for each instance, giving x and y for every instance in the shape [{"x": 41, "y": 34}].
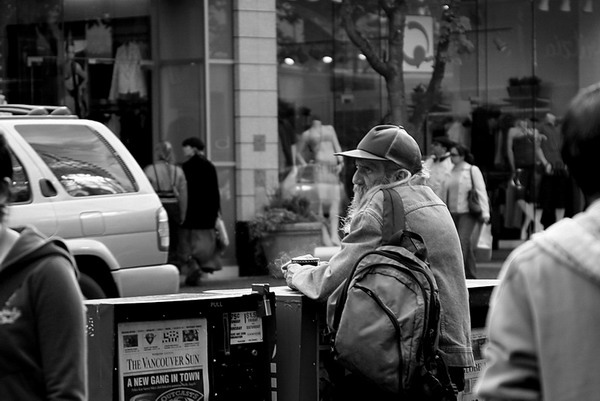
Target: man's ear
[{"x": 400, "y": 175}]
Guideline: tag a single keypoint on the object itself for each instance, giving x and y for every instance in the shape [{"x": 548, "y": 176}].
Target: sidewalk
[{"x": 228, "y": 277}]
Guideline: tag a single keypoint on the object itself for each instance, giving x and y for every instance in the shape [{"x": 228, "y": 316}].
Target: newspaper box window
[{"x": 182, "y": 347}]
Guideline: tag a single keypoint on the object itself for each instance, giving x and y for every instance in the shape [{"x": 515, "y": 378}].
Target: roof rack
[{"x": 34, "y": 110}]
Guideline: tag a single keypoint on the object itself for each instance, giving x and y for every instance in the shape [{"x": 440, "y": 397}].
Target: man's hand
[{"x": 288, "y": 270}]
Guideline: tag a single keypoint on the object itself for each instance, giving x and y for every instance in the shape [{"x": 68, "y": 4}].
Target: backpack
[{"x": 386, "y": 320}]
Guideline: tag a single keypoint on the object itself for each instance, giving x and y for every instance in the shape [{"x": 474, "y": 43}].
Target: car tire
[{"x": 90, "y": 288}]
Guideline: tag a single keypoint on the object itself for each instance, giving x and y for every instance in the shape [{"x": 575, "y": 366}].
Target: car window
[
  {"x": 80, "y": 158},
  {"x": 20, "y": 189}
]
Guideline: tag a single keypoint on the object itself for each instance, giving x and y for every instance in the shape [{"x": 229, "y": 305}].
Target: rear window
[
  {"x": 20, "y": 190},
  {"x": 80, "y": 158}
]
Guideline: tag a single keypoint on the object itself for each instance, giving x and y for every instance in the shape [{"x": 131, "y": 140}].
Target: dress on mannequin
[
  {"x": 316, "y": 149},
  {"x": 524, "y": 154}
]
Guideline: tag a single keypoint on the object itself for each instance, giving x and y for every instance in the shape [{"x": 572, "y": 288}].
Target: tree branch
[{"x": 348, "y": 10}]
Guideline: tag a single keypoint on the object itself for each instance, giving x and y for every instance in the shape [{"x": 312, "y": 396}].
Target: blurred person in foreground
[
  {"x": 197, "y": 244},
  {"x": 388, "y": 157},
  {"x": 43, "y": 343},
  {"x": 543, "y": 319}
]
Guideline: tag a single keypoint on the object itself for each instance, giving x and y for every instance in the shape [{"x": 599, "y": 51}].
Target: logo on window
[{"x": 418, "y": 44}]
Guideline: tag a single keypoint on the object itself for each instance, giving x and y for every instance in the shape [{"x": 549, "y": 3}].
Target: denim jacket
[{"x": 427, "y": 215}]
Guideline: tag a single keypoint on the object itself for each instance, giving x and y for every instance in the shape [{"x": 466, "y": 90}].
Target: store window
[
  {"x": 94, "y": 57},
  {"x": 181, "y": 68},
  {"x": 527, "y": 60},
  {"x": 220, "y": 32}
]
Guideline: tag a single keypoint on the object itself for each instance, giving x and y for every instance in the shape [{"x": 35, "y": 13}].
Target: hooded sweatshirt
[
  {"x": 544, "y": 316},
  {"x": 42, "y": 324}
]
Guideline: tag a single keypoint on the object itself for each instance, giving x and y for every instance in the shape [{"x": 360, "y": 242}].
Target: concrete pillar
[{"x": 255, "y": 86}]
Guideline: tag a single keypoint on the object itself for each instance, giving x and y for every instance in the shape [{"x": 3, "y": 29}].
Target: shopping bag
[
  {"x": 483, "y": 252},
  {"x": 222, "y": 236}
]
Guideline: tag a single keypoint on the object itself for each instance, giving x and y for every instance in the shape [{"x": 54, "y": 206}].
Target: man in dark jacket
[{"x": 198, "y": 237}]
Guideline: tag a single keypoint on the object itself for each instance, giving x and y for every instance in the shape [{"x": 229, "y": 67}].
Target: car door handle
[{"x": 47, "y": 188}]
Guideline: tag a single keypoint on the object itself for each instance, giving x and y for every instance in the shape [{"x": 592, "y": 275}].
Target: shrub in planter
[{"x": 286, "y": 228}]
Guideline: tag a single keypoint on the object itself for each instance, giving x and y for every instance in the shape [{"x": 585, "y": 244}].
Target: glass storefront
[
  {"x": 94, "y": 57},
  {"x": 141, "y": 67},
  {"x": 525, "y": 59}
]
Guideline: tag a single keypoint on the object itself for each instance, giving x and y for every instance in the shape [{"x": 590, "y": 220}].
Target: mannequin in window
[
  {"x": 75, "y": 78},
  {"x": 524, "y": 153},
  {"x": 316, "y": 149},
  {"x": 48, "y": 44}
]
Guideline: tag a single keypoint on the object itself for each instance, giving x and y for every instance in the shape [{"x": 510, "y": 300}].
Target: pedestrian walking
[
  {"x": 197, "y": 244},
  {"x": 464, "y": 183},
  {"x": 439, "y": 163},
  {"x": 168, "y": 180}
]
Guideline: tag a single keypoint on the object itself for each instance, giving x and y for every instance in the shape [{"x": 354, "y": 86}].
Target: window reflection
[
  {"x": 20, "y": 189},
  {"x": 80, "y": 159}
]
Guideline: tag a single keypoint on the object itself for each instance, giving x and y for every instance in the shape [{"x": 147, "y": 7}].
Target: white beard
[{"x": 358, "y": 200}]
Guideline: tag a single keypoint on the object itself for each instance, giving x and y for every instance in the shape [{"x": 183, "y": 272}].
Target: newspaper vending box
[{"x": 182, "y": 347}]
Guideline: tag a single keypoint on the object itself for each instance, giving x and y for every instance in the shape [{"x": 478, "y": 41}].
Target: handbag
[
  {"x": 222, "y": 236},
  {"x": 473, "y": 198},
  {"x": 519, "y": 188}
]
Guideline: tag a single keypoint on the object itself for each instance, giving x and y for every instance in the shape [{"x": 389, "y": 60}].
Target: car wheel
[{"x": 90, "y": 288}]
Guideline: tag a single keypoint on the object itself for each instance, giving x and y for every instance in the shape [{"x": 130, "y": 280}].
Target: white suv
[{"x": 75, "y": 179}]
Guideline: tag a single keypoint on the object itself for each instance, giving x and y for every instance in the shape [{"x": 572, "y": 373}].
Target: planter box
[
  {"x": 289, "y": 241},
  {"x": 249, "y": 254}
]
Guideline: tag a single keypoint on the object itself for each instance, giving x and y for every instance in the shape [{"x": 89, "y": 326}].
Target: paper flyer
[
  {"x": 163, "y": 360},
  {"x": 478, "y": 341},
  {"x": 246, "y": 327}
]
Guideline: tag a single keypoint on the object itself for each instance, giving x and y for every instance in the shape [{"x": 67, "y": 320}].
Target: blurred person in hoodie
[
  {"x": 43, "y": 344},
  {"x": 543, "y": 320}
]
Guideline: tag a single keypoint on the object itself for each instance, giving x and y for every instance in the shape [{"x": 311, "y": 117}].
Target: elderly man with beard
[{"x": 388, "y": 157}]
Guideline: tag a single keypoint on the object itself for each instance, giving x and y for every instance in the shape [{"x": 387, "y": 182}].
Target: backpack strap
[
  {"x": 158, "y": 189},
  {"x": 394, "y": 230},
  {"x": 393, "y": 214},
  {"x": 471, "y": 174}
]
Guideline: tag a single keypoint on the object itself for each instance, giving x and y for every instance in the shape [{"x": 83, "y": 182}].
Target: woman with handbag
[
  {"x": 168, "y": 180},
  {"x": 466, "y": 196}
]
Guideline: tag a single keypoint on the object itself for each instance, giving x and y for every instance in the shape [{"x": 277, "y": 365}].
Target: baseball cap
[{"x": 388, "y": 143}]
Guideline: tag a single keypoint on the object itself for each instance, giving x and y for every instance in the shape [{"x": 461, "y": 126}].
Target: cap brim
[{"x": 360, "y": 154}]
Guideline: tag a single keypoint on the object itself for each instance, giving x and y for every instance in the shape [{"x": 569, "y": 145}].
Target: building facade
[{"x": 230, "y": 71}]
